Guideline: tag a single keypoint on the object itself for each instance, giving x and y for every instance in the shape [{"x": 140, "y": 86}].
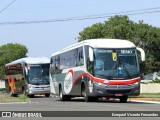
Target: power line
[
  {"x": 7, "y": 6},
  {"x": 100, "y": 16},
  {"x": 138, "y": 10}
]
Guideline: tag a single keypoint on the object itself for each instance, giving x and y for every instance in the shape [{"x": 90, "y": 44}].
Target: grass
[
  {"x": 150, "y": 95},
  {"x": 8, "y": 99},
  {"x": 147, "y": 97}
]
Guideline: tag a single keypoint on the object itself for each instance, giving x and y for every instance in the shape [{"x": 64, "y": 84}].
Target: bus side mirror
[
  {"x": 142, "y": 53},
  {"x": 91, "y": 58}
]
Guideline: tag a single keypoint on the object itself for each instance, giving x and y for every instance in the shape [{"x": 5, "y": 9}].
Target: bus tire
[
  {"x": 31, "y": 96},
  {"x": 84, "y": 94},
  {"x": 11, "y": 93},
  {"x": 94, "y": 99},
  {"x": 47, "y": 95},
  {"x": 24, "y": 91},
  {"x": 63, "y": 97},
  {"x": 123, "y": 99},
  {"x": 87, "y": 98}
]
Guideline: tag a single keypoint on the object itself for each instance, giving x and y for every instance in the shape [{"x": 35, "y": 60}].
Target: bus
[
  {"x": 28, "y": 76},
  {"x": 96, "y": 68}
]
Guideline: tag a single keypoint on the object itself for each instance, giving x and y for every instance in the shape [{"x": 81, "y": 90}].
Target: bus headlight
[
  {"x": 136, "y": 83},
  {"x": 31, "y": 87},
  {"x": 100, "y": 84}
]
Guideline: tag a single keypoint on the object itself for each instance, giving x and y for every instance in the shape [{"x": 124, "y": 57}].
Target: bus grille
[
  {"x": 119, "y": 86},
  {"x": 118, "y": 91}
]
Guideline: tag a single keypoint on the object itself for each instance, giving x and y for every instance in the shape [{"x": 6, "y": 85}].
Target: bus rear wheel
[{"x": 123, "y": 99}]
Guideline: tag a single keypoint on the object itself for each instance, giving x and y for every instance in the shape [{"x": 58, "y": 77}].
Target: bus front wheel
[
  {"x": 123, "y": 99},
  {"x": 30, "y": 96},
  {"x": 24, "y": 91},
  {"x": 12, "y": 94},
  {"x": 86, "y": 97},
  {"x": 47, "y": 95}
]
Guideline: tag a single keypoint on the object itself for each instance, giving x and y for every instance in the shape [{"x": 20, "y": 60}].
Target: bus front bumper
[
  {"x": 116, "y": 90},
  {"x": 38, "y": 92}
]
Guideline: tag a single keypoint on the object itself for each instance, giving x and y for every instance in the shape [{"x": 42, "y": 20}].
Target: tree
[
  {"x": 119, "y": 27},
  {"x": 92, "y": 32},
  {"x": 148, "y": 38},
  {"x": 141, "y": 34},
  {"x": 10, "y": 52}
]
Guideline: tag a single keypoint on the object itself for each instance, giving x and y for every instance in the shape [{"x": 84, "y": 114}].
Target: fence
[
  {"x": 2, "y": 85},
  {"x": 150, "y": 87}
]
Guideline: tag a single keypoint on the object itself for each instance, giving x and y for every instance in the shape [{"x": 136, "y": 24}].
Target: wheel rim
[
  {"x": 60, "y": 94},
  {"x": 24, "y": 92},
  {"x": 11, "y": 94},
  {"x": 83, "y": 93}
]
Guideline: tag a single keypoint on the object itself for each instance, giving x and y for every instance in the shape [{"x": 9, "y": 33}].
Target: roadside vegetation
[
  {"x": 150, "y": 95},
  {"x": 157, "y": 80},
  {"x": 147, "y": 97},
  {"x": 7, "y": 99}
]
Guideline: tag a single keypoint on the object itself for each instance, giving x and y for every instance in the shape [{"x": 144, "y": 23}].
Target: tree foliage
[
  {"x": 96, "y": 31},
  {"x": 141, "y": 34},
  {"x": 10, "y": 52}
]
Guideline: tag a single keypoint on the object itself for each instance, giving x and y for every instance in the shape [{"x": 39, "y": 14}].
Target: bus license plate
[
  {"x": 118, "y": 95},
  {"x": 42, "y": 92}
]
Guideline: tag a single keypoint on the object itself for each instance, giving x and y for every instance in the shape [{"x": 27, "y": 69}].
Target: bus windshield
[
  {"x": 38, "y": 74},
  {"x": 116, "y": 63}
]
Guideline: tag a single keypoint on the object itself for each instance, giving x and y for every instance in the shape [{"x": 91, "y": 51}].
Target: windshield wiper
[
  {"x": 127, "y": 71},
  {"x": 111, "y": 72},
  {"x": 102, "y": 75},
  {"x": 45, "y": 79}
]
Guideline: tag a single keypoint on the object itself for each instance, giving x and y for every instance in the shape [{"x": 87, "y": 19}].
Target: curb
[
  {"x": 14, "y": 103},
  {"x": 143, "y": 101}
]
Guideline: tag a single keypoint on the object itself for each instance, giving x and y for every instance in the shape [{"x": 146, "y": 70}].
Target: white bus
[
  {"x": 29, "y": 76},
  {"x": 96, "y": 68}
]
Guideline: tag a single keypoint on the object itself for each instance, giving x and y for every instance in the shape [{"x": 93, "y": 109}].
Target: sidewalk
[{"x": 144, "y": 99}]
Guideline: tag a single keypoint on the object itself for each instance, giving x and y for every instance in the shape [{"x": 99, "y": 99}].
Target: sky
[{"x": 45, "y": 38}]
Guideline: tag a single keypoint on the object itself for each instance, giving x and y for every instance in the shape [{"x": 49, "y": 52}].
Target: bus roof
[
  {"x": 31, "y": 60},
  {"x": 100, "y": 43}
]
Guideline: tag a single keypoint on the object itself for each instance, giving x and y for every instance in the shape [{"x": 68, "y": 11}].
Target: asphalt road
[{"x": 40, "y": 103}]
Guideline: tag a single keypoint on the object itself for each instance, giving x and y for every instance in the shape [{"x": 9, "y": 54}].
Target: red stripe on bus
[
  {"x": 72, "y": 72},
  {"x": 109, "y": 82},
  {"x": 124, "y": 82}
]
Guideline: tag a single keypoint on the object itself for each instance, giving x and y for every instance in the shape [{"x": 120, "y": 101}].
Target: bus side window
[
  {"x": 80, "y": 60},
  {"x": 20, "y": 69},
  {"x": 53, "y": 63},
  {"x": 57, "y": 62}
]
